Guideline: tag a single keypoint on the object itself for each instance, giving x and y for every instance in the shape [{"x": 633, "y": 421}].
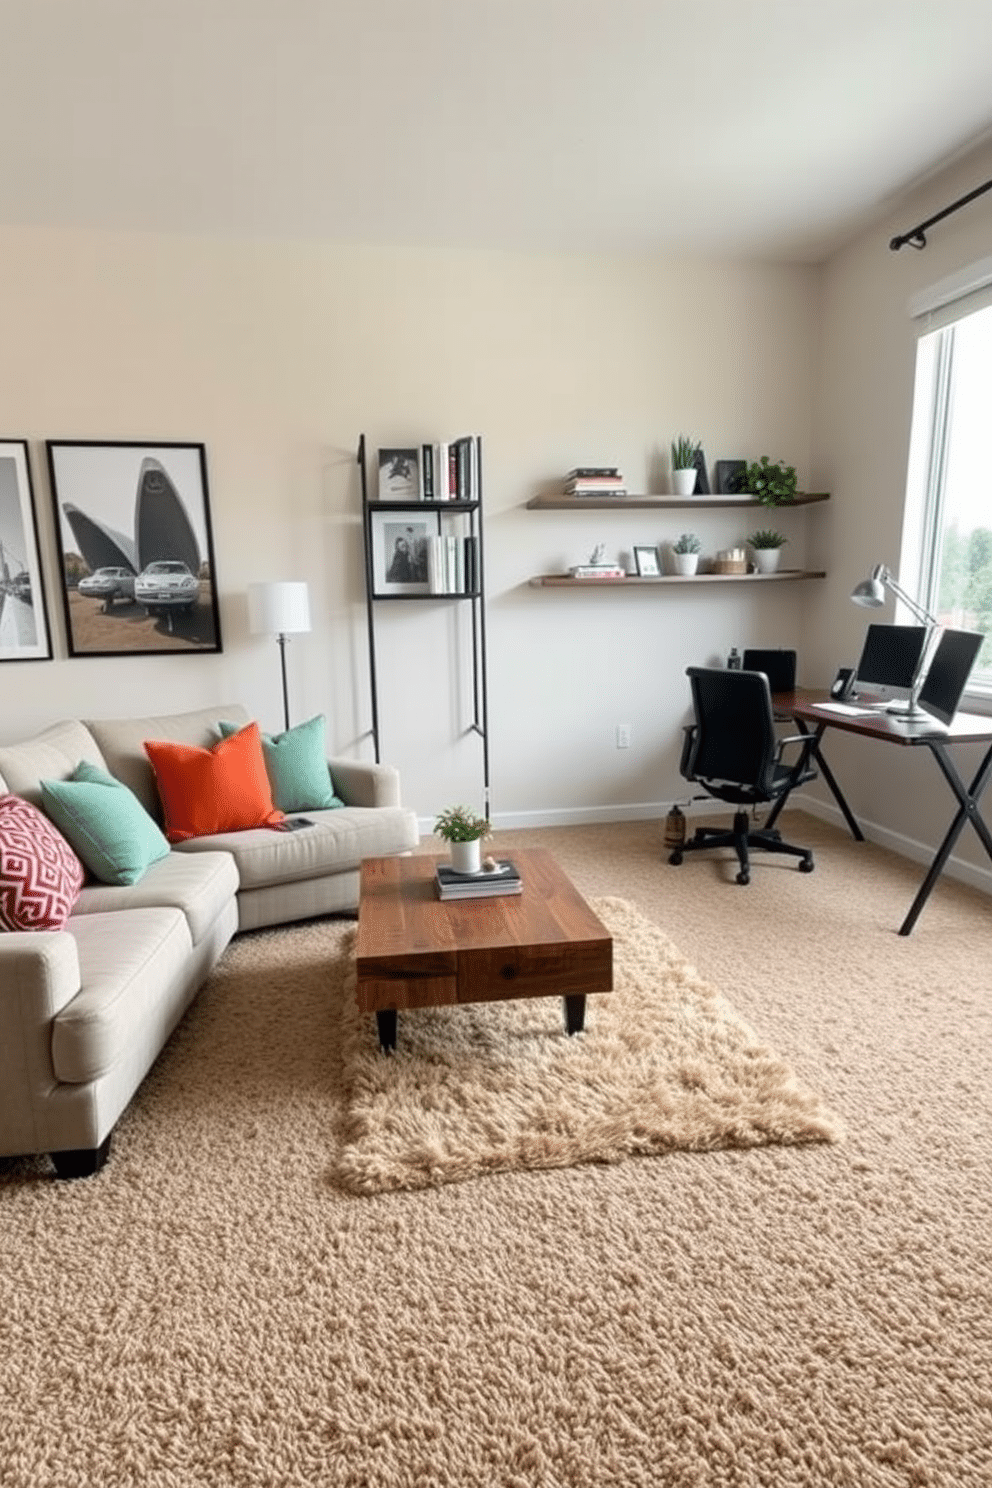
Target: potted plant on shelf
[
  {"x": 771, "y": 484},
  {"x": 767, "y": 546},
  {"x": 684, "y": 452},
  {"x": 686, "y": 552},
  {"x": 463, "y": 831}
]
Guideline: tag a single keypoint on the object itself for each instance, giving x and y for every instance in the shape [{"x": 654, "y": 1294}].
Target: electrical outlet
[{"x": 623, "y": 735}]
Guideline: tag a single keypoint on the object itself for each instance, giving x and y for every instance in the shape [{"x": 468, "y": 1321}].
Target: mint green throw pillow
[
  {"x": 296, "y": 764},
  {"x": 106, "y": 824}
]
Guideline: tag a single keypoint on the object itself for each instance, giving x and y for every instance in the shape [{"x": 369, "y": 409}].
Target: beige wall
[
  {"x": 862, "y": 425},
  {"x": 277, "y": 356}
]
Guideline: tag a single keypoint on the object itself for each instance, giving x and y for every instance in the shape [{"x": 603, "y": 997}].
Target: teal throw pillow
[
  {"x": 296, "y": 764},
  {"x": 106, "y": 824}
]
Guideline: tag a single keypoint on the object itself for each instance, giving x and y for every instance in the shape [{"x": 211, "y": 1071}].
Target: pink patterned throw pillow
[{"x": 40, "y": 875}]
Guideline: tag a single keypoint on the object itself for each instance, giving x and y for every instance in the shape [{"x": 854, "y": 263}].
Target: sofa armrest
[
  {"x": 39, "y": 975},
  {"x": 362, "y": 784}
]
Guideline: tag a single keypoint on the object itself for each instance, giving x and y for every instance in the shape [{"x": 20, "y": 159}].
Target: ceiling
[{"x": 759, "y": 128}]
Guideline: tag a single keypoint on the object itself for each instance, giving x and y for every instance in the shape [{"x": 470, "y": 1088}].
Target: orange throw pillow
[{"x": 204, "y": 791}]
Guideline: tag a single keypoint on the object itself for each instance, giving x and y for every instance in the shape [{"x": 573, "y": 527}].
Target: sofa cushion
[
  {"x": 122, "y": 743},
  {"x": 40, "y": 875},
  {"x": 130, "y": 966},
  {"x": 296, "y": 764},
  {"x": 205, "y": 791},
  {"x": 337, "y": 842},
  {"x": 199, "y": 885},
  {"x": 52, "y": 754},
  {"x": 106, "y": 824}
]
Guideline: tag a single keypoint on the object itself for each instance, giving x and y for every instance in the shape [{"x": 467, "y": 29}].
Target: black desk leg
[
  {"x": 813, "y": 749},
  {"x": 386, "y": 1023},
  {"x": 967, "y": 811}
]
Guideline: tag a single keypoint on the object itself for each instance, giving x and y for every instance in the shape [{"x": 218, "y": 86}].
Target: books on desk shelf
[
  {"x": 503, "y": 879},
  {"x": 598, "y": 571},
  {"x": 594, "y": 480}
]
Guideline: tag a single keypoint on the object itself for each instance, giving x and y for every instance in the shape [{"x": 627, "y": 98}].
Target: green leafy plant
[
  {"x": 766, "y": 537},
  {"x": 687, "y": 543},
  {"x": 772, "y": 484},
  {"x": 461, "y": 824},
  {"x": 684, "y": 452}
]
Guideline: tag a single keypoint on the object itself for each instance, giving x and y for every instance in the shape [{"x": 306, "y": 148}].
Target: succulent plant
[
  {"x": 461, "y": 824},
  {"x": 684, "y": 452},
  {"x": 687, "y": 543},
  {"x": 766, "y": 537}
]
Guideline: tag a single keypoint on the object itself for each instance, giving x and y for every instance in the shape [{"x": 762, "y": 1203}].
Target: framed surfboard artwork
[{"x": 135, "y": 546}]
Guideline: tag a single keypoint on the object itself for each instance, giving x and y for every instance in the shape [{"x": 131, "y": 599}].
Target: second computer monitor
[
  {"x": 890, "y": 658},
  {"x": 948, "y": 673}
]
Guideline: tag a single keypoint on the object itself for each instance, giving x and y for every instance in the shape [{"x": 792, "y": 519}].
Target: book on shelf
[
  {"x": 598, "y": 571},
  {"x": 452, "y": 564},
  {"x": 399, "y": 475},
  {"x": 595, "y": 486},
  {"x": 503, "y": 879},
  {"x": 592, "y": 472}
]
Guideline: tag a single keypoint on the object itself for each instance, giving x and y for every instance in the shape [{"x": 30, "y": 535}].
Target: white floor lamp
[{"x": 280, "y": 609}]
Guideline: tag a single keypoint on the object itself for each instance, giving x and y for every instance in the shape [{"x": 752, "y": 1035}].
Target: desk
[{"x": 804, "y": 707}]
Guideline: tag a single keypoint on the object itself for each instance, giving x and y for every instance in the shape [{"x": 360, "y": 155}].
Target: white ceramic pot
[
  {"x": 466, "y": 857},
  {"x": 766, "y": 560},
  {"x": 684, "y": 481},
  {"x": 686, "y": 563}
]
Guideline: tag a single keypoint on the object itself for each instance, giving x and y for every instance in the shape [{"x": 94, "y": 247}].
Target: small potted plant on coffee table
[
  {"x": 463, "y": 831},
  {"x": 686, "y": 553},
  {"x": 767, "y": 546}
]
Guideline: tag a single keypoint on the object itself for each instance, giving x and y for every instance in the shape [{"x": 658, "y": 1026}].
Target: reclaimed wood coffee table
[{"x": 415, "y": 950}]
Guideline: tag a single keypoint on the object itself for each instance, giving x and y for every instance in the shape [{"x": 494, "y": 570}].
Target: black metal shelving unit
[{"x": 474, "y": 599}]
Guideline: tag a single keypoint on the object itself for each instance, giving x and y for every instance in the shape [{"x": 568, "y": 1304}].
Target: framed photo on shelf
[
  {"x": 136, "y": 550},
  {"x": 399, "y": 553},
  {"x": 731, "y": 477},
  {"x": 24, "y": 634},
  {"x": 399, "y": 474},
  {"x": 646, "y": 563}
]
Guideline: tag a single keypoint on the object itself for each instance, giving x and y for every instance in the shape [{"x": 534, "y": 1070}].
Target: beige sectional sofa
[{"x": 85, "y": 1011}]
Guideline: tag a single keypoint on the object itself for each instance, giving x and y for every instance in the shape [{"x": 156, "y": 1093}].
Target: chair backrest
[{"x": 735, "y": 729}]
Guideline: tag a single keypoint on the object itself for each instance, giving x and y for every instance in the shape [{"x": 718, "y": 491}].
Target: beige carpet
[
  {"x": 211, "y": 1312},
  {"x": 664, "y": 1063}
]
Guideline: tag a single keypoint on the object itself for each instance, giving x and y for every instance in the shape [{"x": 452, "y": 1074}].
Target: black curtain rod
[{"x": 916, "y": 236}]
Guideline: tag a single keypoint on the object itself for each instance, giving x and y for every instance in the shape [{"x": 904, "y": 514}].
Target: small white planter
[
  {"x": 466, "y": 857},
  {"x": 684, "y": 481},
  {"x": 686, "y": 563},
  {"x": 766, "y": 560}
]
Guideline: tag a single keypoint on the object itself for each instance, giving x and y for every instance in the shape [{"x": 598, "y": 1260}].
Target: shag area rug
[{"x": 664, "y": 1063}]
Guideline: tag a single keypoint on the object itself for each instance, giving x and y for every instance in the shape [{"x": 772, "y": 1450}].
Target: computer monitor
[
  {"x": 948, "y": 673},
  {"x": 890, "y": 658}
]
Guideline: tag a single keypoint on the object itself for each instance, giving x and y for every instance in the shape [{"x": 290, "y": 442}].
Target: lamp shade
[{"x": 280, "y": 608}]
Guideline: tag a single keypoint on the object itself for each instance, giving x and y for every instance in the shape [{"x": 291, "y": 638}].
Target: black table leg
[
  {"x": 575, "y": 1012},
  {"x": 968, "y": 799},
  {"x": 813, "y": 750},
  {"x": 386, "y": 1022}
]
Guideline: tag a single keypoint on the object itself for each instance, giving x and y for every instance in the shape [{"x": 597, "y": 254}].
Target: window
[{"x": 947, "y": 541}]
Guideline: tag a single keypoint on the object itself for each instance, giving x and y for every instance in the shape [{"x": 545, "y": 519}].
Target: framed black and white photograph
[
  {"x": 24, "y": 634},
  {"x": 399, "y": 553},
  {"x": 646, "y": 563},
  {"x": 137, "y": 561},
  {"x": 399, "y": 475},
  {"x": 731, "y": 477}
]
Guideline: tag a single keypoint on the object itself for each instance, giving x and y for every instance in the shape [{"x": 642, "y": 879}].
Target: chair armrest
[
  {"x": 361, "y": 784},
  {"x": 792, "y": 739},
  {"x": 687, "y": 747}
]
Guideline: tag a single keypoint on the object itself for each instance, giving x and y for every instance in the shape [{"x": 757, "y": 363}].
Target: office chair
[{"x": 733, "y": 752}]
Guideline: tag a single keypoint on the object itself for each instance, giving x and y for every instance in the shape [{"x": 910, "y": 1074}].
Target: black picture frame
[
  {"x": 647, "y": 562},
  {"x": 399, "y": 552},
  {"x": 731, "y": 477},
  {"x": 140, "y": 511},
  {"x": 24, "y": 628},
  {"x": 702, "y": 487}
]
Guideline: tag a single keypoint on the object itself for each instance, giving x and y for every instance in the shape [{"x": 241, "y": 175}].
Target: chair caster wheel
[
  {"x": 807, "y": 865},
  {"x": 675, "y": 859},
  {"x": 743, "y": 878}
]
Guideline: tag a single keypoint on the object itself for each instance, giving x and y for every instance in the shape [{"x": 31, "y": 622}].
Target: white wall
[
  {"x": 862, "y": 427},
  {"x": 277, "y": 356}
]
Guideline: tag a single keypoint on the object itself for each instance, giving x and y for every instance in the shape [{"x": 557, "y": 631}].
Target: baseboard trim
[{"x": 583, "y": 816}]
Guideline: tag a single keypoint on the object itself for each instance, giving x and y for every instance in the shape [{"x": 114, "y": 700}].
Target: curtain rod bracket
[{"x": 916, "y": 237}]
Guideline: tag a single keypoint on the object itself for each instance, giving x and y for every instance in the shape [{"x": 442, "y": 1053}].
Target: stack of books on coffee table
[{"x": 503, "y": 879}]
